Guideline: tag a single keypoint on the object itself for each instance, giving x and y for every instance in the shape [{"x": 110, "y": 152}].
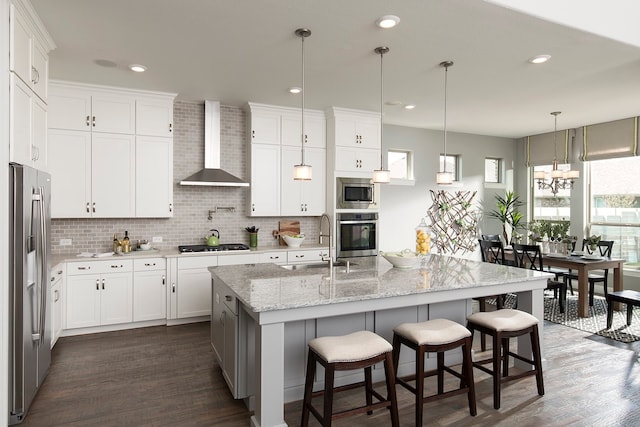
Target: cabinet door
[
  {"x": 265, "y": 180},
  {"x": 116, "y": 304},
  {"x": 113, "y": 114},
  {"x": 193, "y": 293},
  {"x": 229, "y": 360},
  {"x": 357, "y": 159},
  {"x": 20, "y": 48},
  {"x": 21, "y": 122},
  {"x": 69, "y": 109},
  {"x": 357, "y": 131},
  {"x": 40, "y": 70},
  {"x": 265, "y": 127},
  {"x": 217, "y": 320},
  {"x": 69, "y": 161},
  {"x": 345, "y": 129},
  {"x": 315, "y": 129},
  {"x": 83, "y": 301},
  {"x": 154, "y": 177},
  {"x": 154, "y": 118},
  {"x": 56, "y": 311},
  {"x": 112, "y": 180},
  {"x": 292, "y": 129},
  {"x": 313, "y": 192},
  {"x": 149, "y": 295},
  {"x": 291, "y": 190},
  {"x": 368, "y": 131},
  {"x": 39, "y": 134}
]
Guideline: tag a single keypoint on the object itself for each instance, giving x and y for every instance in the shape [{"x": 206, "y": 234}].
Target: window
[
  {"x": 453, "y": 163},
  {"x": 615, "y": 205},
  {"x": 400, "y": 164},
  {"x": 545, "y": 204},
  {"x": 493, "y": 170}
]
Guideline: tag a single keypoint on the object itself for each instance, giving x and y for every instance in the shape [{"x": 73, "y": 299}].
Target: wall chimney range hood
[{"x": 212, "y": 175}]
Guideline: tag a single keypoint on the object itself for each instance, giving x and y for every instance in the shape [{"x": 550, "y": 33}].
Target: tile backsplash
[{"x": 190, "y": 222}]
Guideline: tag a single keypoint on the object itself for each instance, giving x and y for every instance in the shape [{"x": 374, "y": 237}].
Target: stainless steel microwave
[{"x": 356, "y": 193}]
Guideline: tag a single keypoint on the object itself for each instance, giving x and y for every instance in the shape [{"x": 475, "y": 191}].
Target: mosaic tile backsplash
[{"x": 190, "y": 223}]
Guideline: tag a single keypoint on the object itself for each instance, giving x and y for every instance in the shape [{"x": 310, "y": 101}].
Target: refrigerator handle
[{"x": 43, "y": 265}]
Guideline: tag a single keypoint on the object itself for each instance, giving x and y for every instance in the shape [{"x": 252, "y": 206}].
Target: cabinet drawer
[
  {"x": 274, "y": 257},
  {"x": 238, "y": 259},
  {"x": 57, "y": 273},
  {"x": 99, "y": 267},
  {"x": 146, "y": 264},
  {"x": 190, "y": 261},
  {"x": 304, "y": 256}
]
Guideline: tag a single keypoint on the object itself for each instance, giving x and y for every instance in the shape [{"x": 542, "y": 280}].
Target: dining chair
[
  {"x": 491, "y": 237},
  {"x": 560, "y": 272},
  {"x": 530, "y": 256},
  {"x": 604, "y": 249}
]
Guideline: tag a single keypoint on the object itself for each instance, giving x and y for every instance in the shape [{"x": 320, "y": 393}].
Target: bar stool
[
  {"x": 503, "y": 325},
  {"x": 359, "y": 350},
  {"x": 435, "y": 336}
]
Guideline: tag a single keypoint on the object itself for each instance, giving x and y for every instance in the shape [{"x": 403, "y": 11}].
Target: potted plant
[
  {"x": 507, "y": 213},
  {"x": 592, "y": 242}
]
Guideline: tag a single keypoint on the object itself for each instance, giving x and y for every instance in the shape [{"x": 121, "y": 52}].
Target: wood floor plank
[{"x": 168, "y": 376}]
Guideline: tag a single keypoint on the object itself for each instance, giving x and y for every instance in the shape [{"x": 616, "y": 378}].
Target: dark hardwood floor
[{"x": 167, "y": 376}]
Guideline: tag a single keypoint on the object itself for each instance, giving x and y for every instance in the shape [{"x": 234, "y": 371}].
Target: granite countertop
[{"x": 269, "y": 287}]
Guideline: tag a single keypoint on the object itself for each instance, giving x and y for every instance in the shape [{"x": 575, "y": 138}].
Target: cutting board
[{"x": 288, "y": 227}]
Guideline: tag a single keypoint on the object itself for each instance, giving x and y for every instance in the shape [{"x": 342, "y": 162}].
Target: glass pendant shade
[
  {"x": 302, "y": 172},
  {"x": 444, "y": 178},
  {"x": 381, "y": 176}
]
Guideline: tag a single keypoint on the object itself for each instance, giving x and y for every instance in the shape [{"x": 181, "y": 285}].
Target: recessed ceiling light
[
  {"x": 409, "y": 106},
  {"x": 137, "y": 68},
  {"x": 539, "y": 59},
  {"x": 295, "y": 90},
  {"x": 387, "y": 21}
]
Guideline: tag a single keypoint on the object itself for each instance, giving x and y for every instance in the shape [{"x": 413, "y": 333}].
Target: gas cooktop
[{"x": 220, "y": 248}]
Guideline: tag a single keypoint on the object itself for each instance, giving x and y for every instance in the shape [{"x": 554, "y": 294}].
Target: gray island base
[{"x": 264, "y": 315}]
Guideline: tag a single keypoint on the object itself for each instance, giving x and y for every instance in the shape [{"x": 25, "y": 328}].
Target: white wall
[{"x": 402, "y": 207}]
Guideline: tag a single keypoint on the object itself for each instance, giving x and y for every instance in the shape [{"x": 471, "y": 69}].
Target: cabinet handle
[
  {"x": 306, "y": 139},
  {"x": 59, "y": 271},
  {"x": 56, "y": 295},
  {"x": 119, "y": 266},
  {"x": 253, "y": 134},
  {"x": 223, "y": 315},
  {"x": 94, "y": 207},
  {"x": 88, "y": 118},
  {"x": 274, "y": 257},
  {"x": 85, "y": 268},
  {"x": 305, "y": 207},
  {"x": 299, "y": 256},
  {"x": 93, "y": 121},
  {"x": 253, "y": 207},
  {"x": 35, "y": 75},
  {"x": 301, "y": 207},
  {"x": 173, "y": 288},
  {"x": 149, "y": 264},
  {"x": 228, "y": 298},
  {"x": 97, "y": 284},
  {"x": 170, "y": 127},
  {"x": 164, "y": 280},
  {"x": 103, "y": 284},
  {"x": 88, "y": 209},
  {"x": 170, "y": 207}
]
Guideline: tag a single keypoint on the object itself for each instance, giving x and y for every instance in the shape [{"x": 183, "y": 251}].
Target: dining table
[{"x": 583, "y": 265}]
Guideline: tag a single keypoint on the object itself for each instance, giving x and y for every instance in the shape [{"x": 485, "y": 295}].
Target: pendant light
[
  {"x": 302, "y": 172},
  {"x": 443, "y": 177},
  {"x": 382, "y": 175}
]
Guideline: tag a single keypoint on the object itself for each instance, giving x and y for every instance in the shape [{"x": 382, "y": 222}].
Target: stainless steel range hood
[{"x": 212, "y": 175}]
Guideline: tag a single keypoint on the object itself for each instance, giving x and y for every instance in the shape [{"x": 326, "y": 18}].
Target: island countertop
[{"x": 269, "y": 287}]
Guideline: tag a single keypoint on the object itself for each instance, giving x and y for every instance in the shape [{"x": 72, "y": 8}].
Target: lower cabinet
[
  {"x": 95, "y": 296},
  {"x": 57, "y": 279},
  {"x": 192, "y": 289},
  {"x": 149, "y": 289}
]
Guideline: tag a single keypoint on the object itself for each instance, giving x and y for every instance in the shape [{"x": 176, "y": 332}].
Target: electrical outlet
[
  {"x": 156, "y": 239},
  {"x": 65, "y": 242}
]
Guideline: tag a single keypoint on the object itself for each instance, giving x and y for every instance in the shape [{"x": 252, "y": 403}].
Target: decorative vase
[{"x": 253, "y": 240}]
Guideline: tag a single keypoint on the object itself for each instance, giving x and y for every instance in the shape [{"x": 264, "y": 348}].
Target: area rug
[{"x": 596, "y": 323}]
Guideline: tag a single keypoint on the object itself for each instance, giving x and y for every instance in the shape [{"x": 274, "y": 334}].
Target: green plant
[
  {"x": 593, "y": 241},
  {"x": 507, "y": 212}
]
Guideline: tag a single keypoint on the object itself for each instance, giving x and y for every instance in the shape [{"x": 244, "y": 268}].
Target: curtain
[
  {"x": 610, "y": 140},
  {"x": 543, "y": 149}
]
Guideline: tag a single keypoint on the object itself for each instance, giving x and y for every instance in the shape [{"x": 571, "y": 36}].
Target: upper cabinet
[
  {"x": 353, "y": 142},
  {"x": 110, "y": 152},
  {"x": 275, "y": 135}
]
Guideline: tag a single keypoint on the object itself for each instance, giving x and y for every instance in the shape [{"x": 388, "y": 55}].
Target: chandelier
[{"x": 558, "y": 179}]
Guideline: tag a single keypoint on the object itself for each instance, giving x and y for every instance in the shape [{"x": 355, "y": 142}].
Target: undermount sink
[{"x": 293, "y": 267}]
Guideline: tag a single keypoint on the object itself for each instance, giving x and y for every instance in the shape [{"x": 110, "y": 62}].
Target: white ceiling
[{"x": 236, "y": 51}]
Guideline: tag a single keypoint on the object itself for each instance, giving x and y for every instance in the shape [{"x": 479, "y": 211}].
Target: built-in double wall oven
[{"x": 356, "y": 234}]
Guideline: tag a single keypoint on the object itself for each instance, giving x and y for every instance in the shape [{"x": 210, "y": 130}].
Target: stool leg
[
  {"x": 329, "y": 372},
  {"x": 467, "y": 373},
  {"x": 368, "y": 385},
  {"x": 308, "y": 389},
  {"x": 505, "y": 357},
  {"x": 419, "y": 384},
  {"x": 440, "y": 360},
  {"x": 391, "y": 389},
  {"x": 496, "y": 370},
  {"x": 535, "y": 346},
  {"x": 629, "y": 314},
  {"x": 609, "y": 313},
  {"x": 483, "y": 338}
]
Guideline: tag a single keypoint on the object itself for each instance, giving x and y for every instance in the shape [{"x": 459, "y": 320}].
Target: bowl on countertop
[
  {"x": 404, "y": 259},
  {"x": 145, "y": 246},
  {"x": 293, "y": 241}
]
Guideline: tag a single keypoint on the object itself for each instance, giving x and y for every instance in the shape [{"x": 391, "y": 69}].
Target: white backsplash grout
[{"x": 190, "y": 223}]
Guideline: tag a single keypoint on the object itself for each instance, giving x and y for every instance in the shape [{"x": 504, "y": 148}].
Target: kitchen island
[{"x": 283, "y": 309}]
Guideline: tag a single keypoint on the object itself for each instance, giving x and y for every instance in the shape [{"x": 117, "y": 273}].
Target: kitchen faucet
[{"x": 320, "y": 240}]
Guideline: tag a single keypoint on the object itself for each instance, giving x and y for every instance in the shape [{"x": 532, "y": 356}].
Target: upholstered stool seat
[
  {"x": 359, "y": 350},
  {"x": 502, "y": 325},
  {"x": 435, "y": 336}
]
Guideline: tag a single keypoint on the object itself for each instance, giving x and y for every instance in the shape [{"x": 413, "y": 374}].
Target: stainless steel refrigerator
[{"x": 29, "y": 247}]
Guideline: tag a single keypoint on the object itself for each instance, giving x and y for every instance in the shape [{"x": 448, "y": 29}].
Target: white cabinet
[
  {"x": 56, "y": 310},
  {"x": 28, "y": 53},
  {"x": 303, "y": 198},
  {"x": 357, "y": 129},
  {"x": 149, "y": 289},
  {"x": 99, "y": 293},
  {"x": 275, "y": 138},
  {"x": 28, "y": 131},
  {"x": 275, "y": 257},
  {"x": 154, "y": 177},
  {"x": 125, "y": 175},
  {"x": 354, "y": 142},
  {"x": 357, "y": 159},
  {"x": 192, "y": 290},
  {"x": 238, "y": 259},
  {"x": 265, "y": 180},
  {"x": 304, "y": 256}
]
